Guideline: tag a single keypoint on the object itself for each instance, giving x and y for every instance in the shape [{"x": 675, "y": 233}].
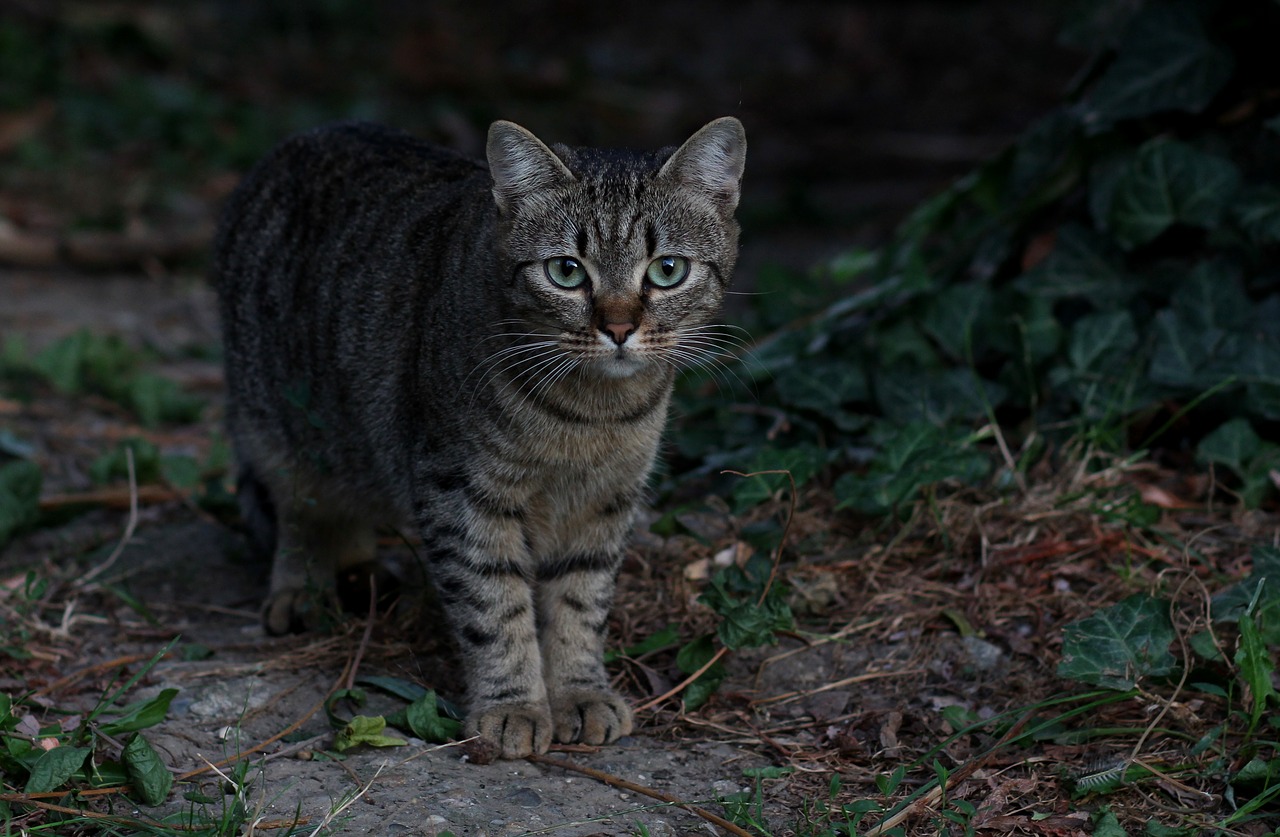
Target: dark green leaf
[
  {"x": 1191, "y": 358},
  {"x": 803, "y": 462},
  {"x": 54, "y": 767},
  {"x": 1258, "y": 211},
  {"x": 150, "y": 779},
  {"x": 1212, "y": 296},
  {"x": 157, "y": 400},
  {"x": 1262, "y": 584},
  {"x": 953, "y": 315},
  {"x": 140, "y": 715},
  {"x": 1165, "y": 63},
  {"x": 1120, "y": 645},
  {"x": 936, "y": 397},
  {"x": 1167, "y": 183},
  {"x": 426, "y": 722},
  {"x": 910, "y": 457},
  {"x": 1233, "y": 444},
  {"x": 397, "y": 686},
  {"x": 822, "y": 387},
  {"x": 20, "y": 483},
  {"x": 1082, "y": 265},
  {"x": 115, "y": 463},
  {"x": 1101, "y": 341},
  {"x": 658, "y": 640},
  {"x": 180, "y": 471}
]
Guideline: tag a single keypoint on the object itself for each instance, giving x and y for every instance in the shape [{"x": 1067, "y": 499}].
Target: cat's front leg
[
  {"x": 575, "y": 593},
  {"x": 483, "y": 581}
]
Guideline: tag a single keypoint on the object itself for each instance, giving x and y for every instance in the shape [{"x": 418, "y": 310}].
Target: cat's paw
[
  {"x": 590, "y": 716},
  {"x": 297, "y": 610},
  {"x": 515, "y": 730}
]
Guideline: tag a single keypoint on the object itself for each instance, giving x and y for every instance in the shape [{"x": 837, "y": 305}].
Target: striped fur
[{"x": 396, "y": 351}]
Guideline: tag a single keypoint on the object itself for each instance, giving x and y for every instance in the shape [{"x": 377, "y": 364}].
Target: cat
[{"x": 486, "y": 352}]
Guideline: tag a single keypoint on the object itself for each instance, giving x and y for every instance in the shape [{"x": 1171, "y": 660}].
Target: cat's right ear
[{"x": 520, "y": 164}]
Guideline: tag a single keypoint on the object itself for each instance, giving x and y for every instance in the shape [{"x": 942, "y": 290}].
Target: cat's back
[{"x": 337, "y": 177}]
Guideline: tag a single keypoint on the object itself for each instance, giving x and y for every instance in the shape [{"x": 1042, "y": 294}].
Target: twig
[
  {"x": 773, "y": 574},
  {"x": 93, "y": 669},
  {"x": 31, "y": 799},
  {"x": 618, "y": 782},
  {"x": 953, "y": 779},
  {"x": 683, "y": 684},
  {"x": 128, "y": 529},
  {"x": 848, "y": 681},
  {"x": 111, "y": 498}
]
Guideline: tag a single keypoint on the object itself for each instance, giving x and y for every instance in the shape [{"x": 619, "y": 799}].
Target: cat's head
[{"x": 618, "y": 259}]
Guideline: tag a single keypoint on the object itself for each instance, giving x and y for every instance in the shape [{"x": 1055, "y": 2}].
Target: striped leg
[
  {"x": 574, "y": 597},
  {"x": 480, "y": 571}
]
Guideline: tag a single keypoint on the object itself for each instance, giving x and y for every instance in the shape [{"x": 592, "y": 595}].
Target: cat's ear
[
  {"x": 520, "y": 164},
  {"x": 712, "y": 160}
]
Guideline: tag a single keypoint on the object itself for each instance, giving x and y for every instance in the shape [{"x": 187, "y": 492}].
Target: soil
[{"x": 855, "y": 111}]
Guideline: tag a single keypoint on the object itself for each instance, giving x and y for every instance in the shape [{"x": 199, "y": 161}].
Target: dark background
[{"x": 136, "y": 117}]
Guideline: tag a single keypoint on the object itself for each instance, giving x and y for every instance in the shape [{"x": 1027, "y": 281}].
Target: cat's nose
[{"x": 620, "y": 331}]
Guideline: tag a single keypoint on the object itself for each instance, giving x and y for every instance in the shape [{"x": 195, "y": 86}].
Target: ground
[{"x": 905, "y": 627}]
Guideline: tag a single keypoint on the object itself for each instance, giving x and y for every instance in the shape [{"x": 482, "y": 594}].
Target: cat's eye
[
  {"x": 667, "y": 271},
  {"x": 565, "y": 271}
]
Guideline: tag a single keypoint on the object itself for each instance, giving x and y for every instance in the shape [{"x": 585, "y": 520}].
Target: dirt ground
[{"x": 859, "y": 111}]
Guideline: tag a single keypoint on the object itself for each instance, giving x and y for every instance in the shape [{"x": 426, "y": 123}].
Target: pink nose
[{"x": 620, "y": 331}]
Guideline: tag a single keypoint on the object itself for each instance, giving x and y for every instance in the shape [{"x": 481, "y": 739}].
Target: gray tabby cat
[{"x": 486, "y": 352}]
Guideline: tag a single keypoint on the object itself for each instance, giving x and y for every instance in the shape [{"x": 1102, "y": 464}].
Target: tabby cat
[{"x": 486, "y": 351}]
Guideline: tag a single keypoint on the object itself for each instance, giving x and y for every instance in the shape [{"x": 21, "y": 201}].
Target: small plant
[{"x": 102, "y": 748}]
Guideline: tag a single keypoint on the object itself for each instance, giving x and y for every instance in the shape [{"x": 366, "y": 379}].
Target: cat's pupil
[{"x": 668, "y": 266}]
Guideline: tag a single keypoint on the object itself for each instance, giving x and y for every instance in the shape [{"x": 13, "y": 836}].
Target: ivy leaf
[
  {"x": 150, "y": 779},
  {"x": 1165, "y": 62},
  {"x": 1263, "y": 584},
  {"x": 746, "y": 621},
  {"x": 1236, "y": 445},
  {"x": 825, "y": 388},
  {"x": 1118, "y": 646},
  {"x": 910, "y": 458},
  {"x": 54, "y": 767},
  {"x": 1193, "y": 358},
  {"x": 1233, "y": 444},
  {"x": 1212, "y": 296},
  {"x": 1099, "y": 341},
  {"x": 1166, "y": 183},
  {"x": 1257, "y": 211},
  {"x": 1082, "y": 265},
  {"x": 803, "y": 461},
  {"x": 365, "y": 729},
  {"x": 953, "y": 315},
  {"x": 936, "y": 396}
]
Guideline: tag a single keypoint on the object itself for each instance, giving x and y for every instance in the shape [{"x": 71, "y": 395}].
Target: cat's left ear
[
  {"x": 520, "y": 164},
  {"x": 712, "y": 160}
]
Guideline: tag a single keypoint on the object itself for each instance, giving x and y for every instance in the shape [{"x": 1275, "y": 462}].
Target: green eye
[
  {"x": 667, "y": 271},
  {"x": 565, "y": 271}
]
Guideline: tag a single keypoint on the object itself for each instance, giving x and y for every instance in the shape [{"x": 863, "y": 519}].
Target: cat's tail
[{"x": 257, "y": 512}]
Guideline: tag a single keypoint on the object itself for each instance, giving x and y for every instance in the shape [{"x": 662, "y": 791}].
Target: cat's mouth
[{"x": 620, "y": 363}]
